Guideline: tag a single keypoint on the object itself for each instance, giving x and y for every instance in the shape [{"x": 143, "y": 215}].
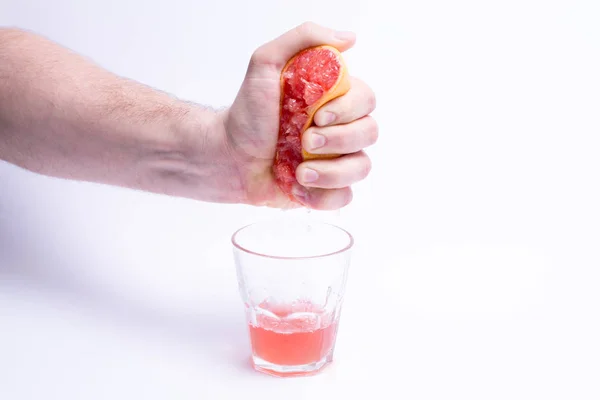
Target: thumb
[{"x": 278, "y": 51}]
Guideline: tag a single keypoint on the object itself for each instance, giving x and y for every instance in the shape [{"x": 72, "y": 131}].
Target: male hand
[{"x": 342, "y": 126}]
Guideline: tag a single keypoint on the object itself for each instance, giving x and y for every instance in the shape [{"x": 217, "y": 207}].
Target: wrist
[{"x": 194, "y": 159}]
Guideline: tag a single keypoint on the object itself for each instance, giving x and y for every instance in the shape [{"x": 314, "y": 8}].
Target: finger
[
  {"x": 278, "y": 51},
  {"x": 341, "y": 139},
  {"x": 358, "y": 102},
  {"x": 334, "y": 173},
  {"x": 323, "y": 199}
]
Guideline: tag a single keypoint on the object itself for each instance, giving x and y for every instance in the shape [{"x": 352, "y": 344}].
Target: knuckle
[
  {"x": 366, "y": 168},
  {"x": 353, "y": 142},
  {"x": 343, "y": 197},
  {"x": 259, "y": 57},
  {"x": 348, "y": 195},
  {"x": 343, "y": 139},
  {"x": 310, "y": 140},
  {"x": 310, "y": 131},
  {"x": 306, "y": 29},
  {"x": 356, "y": 82},
  {"x": 367, "y": 94},
  {"x": 371, "y": 101},
  {"x": 373, "y": 131}
]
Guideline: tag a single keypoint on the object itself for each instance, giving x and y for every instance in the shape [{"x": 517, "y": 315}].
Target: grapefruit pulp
[{"x": 310, "y": 79}]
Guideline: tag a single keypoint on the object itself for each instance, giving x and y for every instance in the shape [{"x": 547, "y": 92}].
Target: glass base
[{"x": 291, "y": 370}]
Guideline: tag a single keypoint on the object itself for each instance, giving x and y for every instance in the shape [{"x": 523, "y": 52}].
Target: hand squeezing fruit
[{"x": 310, "y": 79}]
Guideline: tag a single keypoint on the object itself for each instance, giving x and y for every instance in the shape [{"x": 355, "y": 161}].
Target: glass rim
[{"x": 344, "y": 249}]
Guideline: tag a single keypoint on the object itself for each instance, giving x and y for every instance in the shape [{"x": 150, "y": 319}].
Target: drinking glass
[{"x": 292, "y": 276}]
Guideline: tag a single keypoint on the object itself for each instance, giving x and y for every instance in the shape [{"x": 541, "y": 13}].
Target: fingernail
[
  {"x": 344, "y": 35},
  {"x": 326, "y": 118},
  {"x": 300, "y": 193},
  {"x": 315, "y": 141},
  {"x": 309, "y": 175}
]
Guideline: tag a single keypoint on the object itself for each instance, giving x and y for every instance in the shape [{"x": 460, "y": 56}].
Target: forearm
[{"x": 63, "y": 116}]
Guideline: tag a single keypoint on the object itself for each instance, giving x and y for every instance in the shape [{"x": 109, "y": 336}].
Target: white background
[{"x": 476, "y": 269}]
